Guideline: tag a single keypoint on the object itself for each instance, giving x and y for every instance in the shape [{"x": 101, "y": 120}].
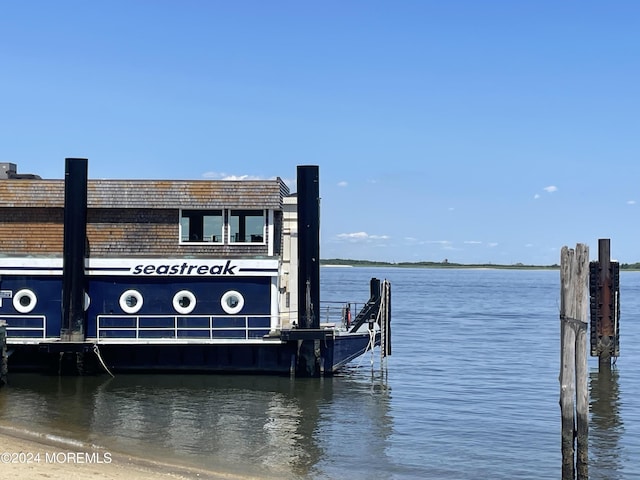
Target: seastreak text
[{"x": 185, "y": 269}]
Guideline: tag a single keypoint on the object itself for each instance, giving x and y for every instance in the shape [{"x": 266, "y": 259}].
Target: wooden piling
[
  {"x": 605, "y": 306},
  {"x": 574, "y": 396},
  {"x": 4, "y": 364},
  {"x": 582, "y": 404},
  {"x": 385, "y": 320}
]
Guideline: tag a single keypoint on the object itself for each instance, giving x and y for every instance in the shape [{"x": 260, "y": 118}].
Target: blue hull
[
  {"x": 161, "y": 335},
  {"x": 258, "y": 358}
]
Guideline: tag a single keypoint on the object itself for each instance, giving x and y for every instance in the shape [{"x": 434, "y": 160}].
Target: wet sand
[{"x": 25, "y": 455}]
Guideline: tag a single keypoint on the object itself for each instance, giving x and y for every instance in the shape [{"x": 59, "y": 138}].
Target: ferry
[{"x": 208, "y": 276}]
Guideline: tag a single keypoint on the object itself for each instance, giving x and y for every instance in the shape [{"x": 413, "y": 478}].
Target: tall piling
[
  {"x": 574, "y": 395},
  {"x": 604, "y": 291},
  {"x": 309, "y": 361},
  {"x": 73, "y": 256}
]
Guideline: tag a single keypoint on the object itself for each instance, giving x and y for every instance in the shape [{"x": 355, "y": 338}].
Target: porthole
[
  {"x": 184, "y": 302},
  {"x": 24, "y": 301},
  {"x": 232, "y": 302},
  {"x": 131, "y": 301}
]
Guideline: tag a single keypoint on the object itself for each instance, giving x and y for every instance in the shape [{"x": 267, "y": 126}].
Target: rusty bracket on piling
[{"x": 604, "y": 292}]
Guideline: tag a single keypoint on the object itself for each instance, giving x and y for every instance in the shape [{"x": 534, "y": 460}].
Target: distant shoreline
[
  {"x": 338, "y": 262},
  {"x": 368, "y": 263}
]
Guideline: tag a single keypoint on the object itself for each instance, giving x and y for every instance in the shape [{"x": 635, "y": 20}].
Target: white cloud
[
  {"x": 226, "y": 176},
  {"x": 492, "y": 244},
  {"x": 440, "y": 242},
  {"x": 548, "y": 189},
  {"x": 631, "y": 202},
  {"x": 356, "y": 235},
  {"x": 361, "y": 237},
  {"x": 342, "y": 184},
  {"x": 241, "y": 177},
  {"x": 291, "y": 183},
  {"x": 472, "y": 242}
]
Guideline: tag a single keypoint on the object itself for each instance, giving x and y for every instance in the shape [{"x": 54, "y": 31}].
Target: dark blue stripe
[
  {"x": 31, "y": 268},
  {"x": 258, "y": 270},
  {"x": 109, "y": 269}
]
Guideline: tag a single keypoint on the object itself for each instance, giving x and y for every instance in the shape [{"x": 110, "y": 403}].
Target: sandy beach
[{"x": 25, "y": 455}]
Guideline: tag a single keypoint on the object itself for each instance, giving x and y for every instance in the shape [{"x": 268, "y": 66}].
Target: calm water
[{"x": 471, "y": 391}]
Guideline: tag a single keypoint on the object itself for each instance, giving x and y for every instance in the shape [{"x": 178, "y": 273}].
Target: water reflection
[
  {"x": 606, "y": 428},
  {"x": 264, "y": 426}
]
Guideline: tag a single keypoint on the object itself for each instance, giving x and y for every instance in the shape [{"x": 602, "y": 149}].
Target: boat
[{"x": 202, "y": 276}]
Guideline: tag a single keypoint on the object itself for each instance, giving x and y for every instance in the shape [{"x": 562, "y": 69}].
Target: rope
[
  {"x": 580, "y": 324},
  {"x": 372, "y": 333},
  {"x": 372, "y": 343},
  {"x": 96, "y": 350}
]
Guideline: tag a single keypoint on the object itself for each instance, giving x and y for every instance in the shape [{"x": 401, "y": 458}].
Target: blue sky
[{"x": 476, "y": 131}]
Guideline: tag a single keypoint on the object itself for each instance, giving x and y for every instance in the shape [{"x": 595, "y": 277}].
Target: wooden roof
[{"x": 192, "y": 194}]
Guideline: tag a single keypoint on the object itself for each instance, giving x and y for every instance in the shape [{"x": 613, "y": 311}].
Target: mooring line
[{"x": 96, "y": 350}]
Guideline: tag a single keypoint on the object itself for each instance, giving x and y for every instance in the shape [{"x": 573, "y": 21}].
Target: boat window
[
  {"x": 232, "y": 302},
  {"x": 201, "y": 226},
  {"x": 247, "y": 226},
  {"x": 184, "y": 302},
  {"x": 24, "y": 301},
  {"x": 131, "y": 301}
]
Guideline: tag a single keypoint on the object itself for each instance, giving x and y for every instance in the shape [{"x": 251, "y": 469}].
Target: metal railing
[
  {"x": 26, "y": 326},
  {"x": 182, "y": 327},
  {"x": 340, "y": 314}
]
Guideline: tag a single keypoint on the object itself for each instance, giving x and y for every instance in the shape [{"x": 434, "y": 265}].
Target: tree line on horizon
[
  {"x": 443, "y": 264},
  {"x": 446, "y": 263}
]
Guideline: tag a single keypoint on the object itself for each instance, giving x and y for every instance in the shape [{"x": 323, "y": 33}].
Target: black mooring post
[
  {"x": 73, "y": 255},
  {"x": 309, "y": 354},
  {"x": 308, "y": 247}
]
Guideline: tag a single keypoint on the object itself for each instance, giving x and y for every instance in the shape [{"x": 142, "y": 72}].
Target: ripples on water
[{"x": 471, "y": 391}]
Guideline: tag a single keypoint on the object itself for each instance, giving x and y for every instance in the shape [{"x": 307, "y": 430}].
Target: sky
[{"x": 472, "y": 131}]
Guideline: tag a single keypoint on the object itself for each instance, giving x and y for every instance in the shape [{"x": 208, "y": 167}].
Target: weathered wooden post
[
  {"x": 574, "y": 268},
  {"x": 4, "y": 365}
]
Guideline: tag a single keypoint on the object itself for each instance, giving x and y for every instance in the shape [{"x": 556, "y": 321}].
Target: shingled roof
[{"x": 196, "y": 194}]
